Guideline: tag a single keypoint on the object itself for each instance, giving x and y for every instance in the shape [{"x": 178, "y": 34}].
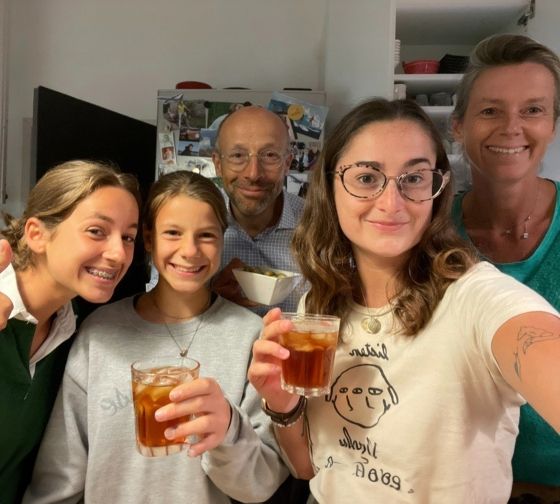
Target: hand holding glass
[
  {"x": 312, "y": 345},
  {"x": 152, "y": 380}
]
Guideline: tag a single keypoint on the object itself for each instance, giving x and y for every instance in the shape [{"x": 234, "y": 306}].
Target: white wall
[{"x": 118, "y": 53}]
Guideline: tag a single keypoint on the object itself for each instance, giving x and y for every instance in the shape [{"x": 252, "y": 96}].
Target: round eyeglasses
[
  {"x": 364, "y": 180},
  {"x": 269, "y": 159}
]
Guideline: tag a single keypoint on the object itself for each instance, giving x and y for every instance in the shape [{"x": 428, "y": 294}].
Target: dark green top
[{"x": 25, "y": 405}]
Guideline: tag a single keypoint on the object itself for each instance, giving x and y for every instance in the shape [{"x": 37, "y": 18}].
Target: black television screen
[{"x": 66, "y": 128}]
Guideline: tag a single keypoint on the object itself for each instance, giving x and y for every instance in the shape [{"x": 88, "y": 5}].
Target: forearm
[
  {"x": 293, "y": 442},
  {"x": 247, "y": 465}
]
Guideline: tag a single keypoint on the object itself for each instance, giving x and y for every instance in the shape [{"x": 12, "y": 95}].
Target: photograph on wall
[
  {"x": 304, "y": 154},
  {"x": 296, "y": 183},
  {"x": 187, "y": 148},
  {"x": 302, "y": 118},
  {"x": 207, "y": 142},
  {"x": 167, "y": 148},
  {"x": 218, "y": 111}
]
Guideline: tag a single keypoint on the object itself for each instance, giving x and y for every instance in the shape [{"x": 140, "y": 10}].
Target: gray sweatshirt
[{"x": 89, "y": 452}]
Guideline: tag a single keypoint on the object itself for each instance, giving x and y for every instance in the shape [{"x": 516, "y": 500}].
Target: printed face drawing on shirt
[{"x": 362, "y": 395}]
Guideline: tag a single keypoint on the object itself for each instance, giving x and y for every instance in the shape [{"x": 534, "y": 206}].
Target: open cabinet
[{"x": 431, "y": 29}]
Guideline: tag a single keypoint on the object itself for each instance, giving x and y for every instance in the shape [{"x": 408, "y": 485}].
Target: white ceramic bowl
[{"x": 266, "y": 289}]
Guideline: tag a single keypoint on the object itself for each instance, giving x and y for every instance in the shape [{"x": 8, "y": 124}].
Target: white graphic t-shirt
[{"x": 425, "y": 419}]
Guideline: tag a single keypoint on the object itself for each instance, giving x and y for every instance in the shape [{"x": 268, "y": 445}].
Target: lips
[
  {"x": 388, "y": 225},
  {"x": 507, "y": 150},
  {"x": 104, "y": 274},
  {"x": 189, "y": 270}
]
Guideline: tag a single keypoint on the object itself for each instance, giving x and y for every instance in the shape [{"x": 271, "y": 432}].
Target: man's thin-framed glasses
[
  {"x": 365, "y": 181},
  {"x": 269, "y": 159}
]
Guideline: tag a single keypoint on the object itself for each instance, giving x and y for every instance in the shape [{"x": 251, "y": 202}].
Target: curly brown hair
[
  {"x": 324, "y": 253},
  {"x": 55, "y": 197}
]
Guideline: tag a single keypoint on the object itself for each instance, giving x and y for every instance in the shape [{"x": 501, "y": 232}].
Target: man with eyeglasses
[{"x": 252, "y": 156}]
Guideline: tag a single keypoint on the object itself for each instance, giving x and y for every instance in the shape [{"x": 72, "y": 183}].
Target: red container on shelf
[{"x": 421, "y": 67}]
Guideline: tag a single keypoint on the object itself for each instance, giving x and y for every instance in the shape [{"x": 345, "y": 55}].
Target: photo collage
[{"x": 187, "y": 132}]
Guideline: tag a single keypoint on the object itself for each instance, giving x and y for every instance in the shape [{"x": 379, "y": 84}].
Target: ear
[
  {"x": 457, "y": 129},
  {"x": 217, "y": 163},
  {"x": 36, "y": 235}
]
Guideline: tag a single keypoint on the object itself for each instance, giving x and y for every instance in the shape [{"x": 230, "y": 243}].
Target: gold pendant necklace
[
  {"x": 182, "y": 351},
  {"x": 371, "y": 324}
]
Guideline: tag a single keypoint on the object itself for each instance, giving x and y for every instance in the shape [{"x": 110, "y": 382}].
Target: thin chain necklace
[
  {"x": 182, "y": 351},
  {"x": 525, "y": 235},
  {"x": 371, "y": 324}
]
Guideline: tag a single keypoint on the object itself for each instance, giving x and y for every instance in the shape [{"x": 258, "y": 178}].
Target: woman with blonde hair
[
  {"x": 75, "y": 238},
  {"x": 507, "y": 109}
]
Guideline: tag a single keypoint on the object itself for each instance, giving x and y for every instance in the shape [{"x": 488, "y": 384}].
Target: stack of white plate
[{"x": 397, "y": 52}]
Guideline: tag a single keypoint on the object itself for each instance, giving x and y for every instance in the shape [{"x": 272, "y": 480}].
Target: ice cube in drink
[
  {"x": 312, "y": 346},
  {"x": 150, "y": 391}
]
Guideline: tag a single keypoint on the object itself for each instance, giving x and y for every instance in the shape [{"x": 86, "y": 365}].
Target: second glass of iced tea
[
  {"x": 152, "y": 380},
  {"x": 312, "y": 345}
]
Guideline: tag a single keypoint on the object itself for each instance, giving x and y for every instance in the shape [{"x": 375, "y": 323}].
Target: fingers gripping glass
[
  {"x": 269, "y": 159},
  {"x": 363, "y": 180}
]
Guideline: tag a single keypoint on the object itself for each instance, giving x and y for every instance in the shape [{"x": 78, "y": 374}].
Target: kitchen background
[{"x": 119, "y": 53}]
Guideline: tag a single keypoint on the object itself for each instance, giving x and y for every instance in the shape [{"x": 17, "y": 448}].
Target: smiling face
[
  {"x": 185, "y": 244},
  {"x": 253, "y": 191},
  {"x": 89, "y": 252},
  {"x": 509, "y": 122},
  {"x": 384, "y": 230}
]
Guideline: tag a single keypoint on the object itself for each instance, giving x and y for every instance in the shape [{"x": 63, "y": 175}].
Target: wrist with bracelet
[{"x": 285, "y": 419}]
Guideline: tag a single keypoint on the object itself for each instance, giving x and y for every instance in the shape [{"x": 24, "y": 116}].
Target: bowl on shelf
[
  {"x": 421, "y": 67},
  {"x": 266, "y": 286}
]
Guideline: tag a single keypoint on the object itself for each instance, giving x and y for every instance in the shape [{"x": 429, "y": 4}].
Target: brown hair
[
  {"x": 184, "y": 183},
  {"x": 501, "y": 50},
  {"x": 56, "y": 195},
  {"x": 324, "y": 253}
]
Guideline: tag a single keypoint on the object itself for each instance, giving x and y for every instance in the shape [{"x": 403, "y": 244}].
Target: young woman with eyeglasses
[{"x": 436, "y": 351}]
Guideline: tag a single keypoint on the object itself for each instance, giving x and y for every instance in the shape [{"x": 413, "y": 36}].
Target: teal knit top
[{"x": 537, "y": 452}]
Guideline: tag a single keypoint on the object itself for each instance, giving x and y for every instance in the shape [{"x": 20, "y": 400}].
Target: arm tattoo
[{"x": 527, "y": 337}]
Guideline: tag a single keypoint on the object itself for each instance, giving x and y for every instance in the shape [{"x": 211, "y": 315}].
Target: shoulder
[
  {"x": 109, "y": 313},
  {"x": 487, "y": 287},
  {"x": 294, "y": 202}
]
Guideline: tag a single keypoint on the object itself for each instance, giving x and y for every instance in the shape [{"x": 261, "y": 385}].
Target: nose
[
  {"x": 512, "y": 123},
  {"x": 189, "y": 247},
  {"x": 252, "y": 170},
  {"x": 116, "y": 251},
  {"x": 390, "y": 200}
]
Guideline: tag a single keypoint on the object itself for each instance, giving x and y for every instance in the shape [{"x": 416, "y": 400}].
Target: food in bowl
[
  {"x": 264, "y": 271},
  {"x": 267, "y": 286}
]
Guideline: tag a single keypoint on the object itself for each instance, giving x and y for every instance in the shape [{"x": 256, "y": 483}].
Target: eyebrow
[
  {"x": 499, "y": 101},
  {"x": 417, "y": 161},
  {"x": 108, "y": 219},
  {"x": 265, "y": 146},
  {"x": 410, "y": 163}
]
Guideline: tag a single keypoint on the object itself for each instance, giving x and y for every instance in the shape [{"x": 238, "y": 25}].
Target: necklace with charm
[
  {"x": 182, "y": 351},
  {"x": 371, "y": 324}
]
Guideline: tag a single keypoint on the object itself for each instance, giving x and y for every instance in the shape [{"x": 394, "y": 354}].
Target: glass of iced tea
[
  {"x": 312, "y": 345},
  {"x": 152, "y": 380}
]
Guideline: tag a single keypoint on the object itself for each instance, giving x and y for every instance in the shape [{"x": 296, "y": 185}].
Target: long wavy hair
[
  {"x": 325, "y": 254},
  {"x": 56, "y": 195}
]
